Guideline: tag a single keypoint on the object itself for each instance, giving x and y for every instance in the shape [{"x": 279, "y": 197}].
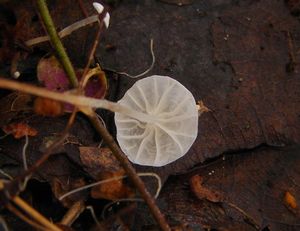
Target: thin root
[
  {"x": 141, "y": 74},
  {"x": 113, "y": 179}
]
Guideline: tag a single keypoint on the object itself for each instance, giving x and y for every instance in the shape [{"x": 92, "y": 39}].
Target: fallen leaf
[
  {"x": 51, "y": 74},
  {"x": 112, "y": 190},
  {"x": 202, "y": 192},
  {"x": 101, "y": 164},
  {"x": 290, "y": 200},
  {"x": 98, "y": 160},
  {"x": 48, "y": 107},
  {"x": 19, "y": 130}
]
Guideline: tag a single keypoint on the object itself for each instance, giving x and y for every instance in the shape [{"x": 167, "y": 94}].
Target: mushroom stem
[{"x": 78, "y": 100}]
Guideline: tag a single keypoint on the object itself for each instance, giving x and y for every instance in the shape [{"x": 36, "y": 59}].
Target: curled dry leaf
[{"x": 19, "y": 130}]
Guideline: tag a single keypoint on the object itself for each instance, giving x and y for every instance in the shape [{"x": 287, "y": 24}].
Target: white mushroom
[{"x": 171, "y": 125}]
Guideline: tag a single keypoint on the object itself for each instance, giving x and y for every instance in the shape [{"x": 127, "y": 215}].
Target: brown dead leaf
[
  {"x": 48, "y": 107},
  {"x": 19, "y": 130},
  {"x": 290, "y": 200},
  {"x": 196, "y": 183},
  {"x": 101, "y": 164},
  {"x": 112, "y": 190},
  {"x": 98, "y": 160}
]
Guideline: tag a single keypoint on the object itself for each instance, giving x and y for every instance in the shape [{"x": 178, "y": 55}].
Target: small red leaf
[{"x": 52, "y": 75}]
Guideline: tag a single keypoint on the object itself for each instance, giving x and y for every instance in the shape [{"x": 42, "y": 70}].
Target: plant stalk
[{"x": 56, "y": 43}]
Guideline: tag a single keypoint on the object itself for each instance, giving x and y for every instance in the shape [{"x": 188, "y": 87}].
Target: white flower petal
[
  {"x": 98, "y": 7},
  {"x": 106, "y": 20}
]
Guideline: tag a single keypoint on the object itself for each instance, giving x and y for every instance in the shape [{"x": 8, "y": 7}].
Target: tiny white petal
[
  {"x": 106, "y": 20},
  {"x": 98, "y": 7},
  {"x": 17, "y": 74}
]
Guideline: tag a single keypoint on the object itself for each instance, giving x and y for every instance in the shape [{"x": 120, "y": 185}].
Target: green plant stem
[{"x": 56, "y": 43}]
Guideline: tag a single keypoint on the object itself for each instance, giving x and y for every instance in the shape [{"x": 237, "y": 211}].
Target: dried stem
[
  {"x": 23, "y": 217},
  {"x": 73, "y": 213},
  {"x": 91, "y": 55},
  {"x": 66, "y": 31},
  {"x": 57, "y": 44},
  {"x": 35, "y": 214}
]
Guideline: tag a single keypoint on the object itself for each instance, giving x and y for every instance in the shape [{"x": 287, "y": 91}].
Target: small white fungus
[
  {"x": 171, "y": 129},
  {"x": 98, "y": 7}
]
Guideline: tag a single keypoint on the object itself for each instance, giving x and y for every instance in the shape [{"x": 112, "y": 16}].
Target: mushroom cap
[{"x": 175, "y": 129}]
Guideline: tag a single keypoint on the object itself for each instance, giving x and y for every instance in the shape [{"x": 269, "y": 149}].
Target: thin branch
[
  {"x": 49, "y": 25},
  {"x": 91, "y": 55}
]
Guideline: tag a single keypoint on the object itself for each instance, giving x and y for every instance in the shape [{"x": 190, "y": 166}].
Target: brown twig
[{"x": 91, "y": 54}]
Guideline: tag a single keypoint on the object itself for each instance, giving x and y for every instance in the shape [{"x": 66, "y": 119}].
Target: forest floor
[{"x": 241, "y": 59}]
